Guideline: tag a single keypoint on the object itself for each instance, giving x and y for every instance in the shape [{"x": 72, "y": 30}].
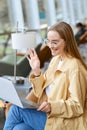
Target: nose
[{"x": 51, "y": 45}]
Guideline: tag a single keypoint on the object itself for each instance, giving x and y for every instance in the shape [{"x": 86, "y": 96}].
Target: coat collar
[{"x": 64, "y": 65}]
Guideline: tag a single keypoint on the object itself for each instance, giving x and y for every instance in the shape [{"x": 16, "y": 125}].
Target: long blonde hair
[{"x": 66, "y": 33}]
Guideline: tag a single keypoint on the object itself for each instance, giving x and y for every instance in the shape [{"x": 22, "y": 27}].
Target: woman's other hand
[{"x": 45, "y": 107}]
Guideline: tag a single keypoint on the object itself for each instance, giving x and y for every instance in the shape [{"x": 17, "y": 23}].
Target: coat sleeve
[
  {"x": 73, "y": 106},
  {"x": 37, "y": 83}
]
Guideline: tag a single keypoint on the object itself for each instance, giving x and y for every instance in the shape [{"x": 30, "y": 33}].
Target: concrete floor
[{"x": 2, "y": 118}]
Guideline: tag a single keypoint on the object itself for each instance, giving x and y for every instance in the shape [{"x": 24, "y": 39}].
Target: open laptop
[{"x": 15, "y": 94}]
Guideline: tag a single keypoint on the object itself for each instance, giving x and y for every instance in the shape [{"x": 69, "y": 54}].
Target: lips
[{"x": 54, "y": 49}]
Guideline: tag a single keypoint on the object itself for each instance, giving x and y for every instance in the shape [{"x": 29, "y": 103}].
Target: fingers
[
  {"x": 45, "y": 107},
  {"x": 27, "y": 56},
  {"x": 32, "y": 52},
  {"x": 42, "y": 106}
]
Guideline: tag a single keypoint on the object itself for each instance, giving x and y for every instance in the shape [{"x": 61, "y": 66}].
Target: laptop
[{"x": 15, "y": 94}]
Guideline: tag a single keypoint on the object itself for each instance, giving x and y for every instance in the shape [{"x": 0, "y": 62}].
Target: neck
[{"x": 62, "y": 56}]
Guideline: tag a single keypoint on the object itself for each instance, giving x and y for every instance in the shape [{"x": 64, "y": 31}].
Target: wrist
[{"x": 37, "y": 72}]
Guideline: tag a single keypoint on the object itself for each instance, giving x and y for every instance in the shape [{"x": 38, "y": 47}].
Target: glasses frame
[{"x": 54, "y": 42}]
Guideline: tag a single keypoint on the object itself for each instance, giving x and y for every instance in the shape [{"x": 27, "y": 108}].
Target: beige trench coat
[{"x": 68, "y": 95}]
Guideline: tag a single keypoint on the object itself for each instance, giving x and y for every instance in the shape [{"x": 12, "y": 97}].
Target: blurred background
[{"x": 38, "y": 15}]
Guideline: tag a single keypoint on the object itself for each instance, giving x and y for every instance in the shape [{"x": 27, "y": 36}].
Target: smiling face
[{"x": 55, "y": 43}]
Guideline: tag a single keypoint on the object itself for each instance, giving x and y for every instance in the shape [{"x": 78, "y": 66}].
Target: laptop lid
[
  {"x": 8, "y": 92},
  {"x": 15, "y": 94}
]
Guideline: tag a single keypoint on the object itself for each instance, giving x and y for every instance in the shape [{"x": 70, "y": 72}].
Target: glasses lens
[{"x": 46, "y": 41}]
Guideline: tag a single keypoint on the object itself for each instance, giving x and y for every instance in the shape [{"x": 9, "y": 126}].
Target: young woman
[{"x": 61, "y": 90}]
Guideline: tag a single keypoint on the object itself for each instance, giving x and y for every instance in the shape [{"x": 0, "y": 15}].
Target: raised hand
[{"x": 34, "y": 61}]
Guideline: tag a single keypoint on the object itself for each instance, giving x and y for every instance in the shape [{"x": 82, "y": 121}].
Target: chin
[{"x": 54, "y": 53}]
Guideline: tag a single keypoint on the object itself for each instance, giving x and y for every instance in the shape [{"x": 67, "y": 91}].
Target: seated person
[
  {"x": 83, "y": 38},
  {"x": 61, "y": 91},
  {"x": 81, "y": 30}
]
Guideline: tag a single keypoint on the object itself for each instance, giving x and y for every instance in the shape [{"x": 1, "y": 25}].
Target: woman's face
[{"x": 55, "y": 43}]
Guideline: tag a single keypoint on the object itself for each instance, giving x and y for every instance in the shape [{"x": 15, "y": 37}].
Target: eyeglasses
[{"x": 54, "y": 42}]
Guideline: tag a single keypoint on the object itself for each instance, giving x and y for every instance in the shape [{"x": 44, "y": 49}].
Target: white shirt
[{"x": 49, "y": 87}]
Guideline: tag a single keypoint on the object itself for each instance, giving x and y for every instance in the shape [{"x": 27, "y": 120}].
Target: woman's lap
[{"x": 30, "y": 117}]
